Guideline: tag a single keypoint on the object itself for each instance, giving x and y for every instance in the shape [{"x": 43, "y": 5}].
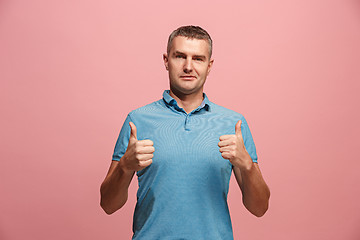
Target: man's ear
[
  {"x": 166, "y": 61},
  {"x": 210, "y": 65}
]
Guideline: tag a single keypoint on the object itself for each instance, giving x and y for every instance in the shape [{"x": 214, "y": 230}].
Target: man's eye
[
  {"x": 179, "y": 56},
  {"x": 198, "y": 59}
]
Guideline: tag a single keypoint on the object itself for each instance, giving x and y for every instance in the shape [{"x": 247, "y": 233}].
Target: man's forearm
[
  {"x": 255, "y": 191},
  {"x": 114, "y": 189}
]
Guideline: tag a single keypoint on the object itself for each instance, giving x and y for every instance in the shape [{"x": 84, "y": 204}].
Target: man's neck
[{"x": 188, "y": 102}]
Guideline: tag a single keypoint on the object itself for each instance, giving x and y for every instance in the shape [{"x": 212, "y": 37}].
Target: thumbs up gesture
[
  {"x": 232, "y": 148},
  {"x": 139, "y": 153}
]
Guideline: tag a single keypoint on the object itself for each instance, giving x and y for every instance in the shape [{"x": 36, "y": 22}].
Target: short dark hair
[{"x": 190, "y": 32}]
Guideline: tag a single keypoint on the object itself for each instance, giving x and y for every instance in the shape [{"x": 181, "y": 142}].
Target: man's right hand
[{"x": 139, "y": 153}]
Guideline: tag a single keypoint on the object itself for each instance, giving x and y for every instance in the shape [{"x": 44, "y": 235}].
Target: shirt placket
[
  {"x": 187, "y": 122},
  {"x": 188, "y": 116}
]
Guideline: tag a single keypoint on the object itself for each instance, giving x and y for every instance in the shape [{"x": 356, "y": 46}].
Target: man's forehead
[{"x": 190, "y": 45}]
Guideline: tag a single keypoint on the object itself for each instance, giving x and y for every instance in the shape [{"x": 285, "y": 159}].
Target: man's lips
[{"x": 188, "y": 77}]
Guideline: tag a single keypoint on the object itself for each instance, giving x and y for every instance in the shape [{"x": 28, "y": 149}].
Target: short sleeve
[
  {"x": 248, "y": 140},
  {"x": 123, "y": 140}
]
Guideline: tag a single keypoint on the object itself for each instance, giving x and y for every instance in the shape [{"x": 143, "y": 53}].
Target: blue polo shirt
[{"x": 183, "y": 193}]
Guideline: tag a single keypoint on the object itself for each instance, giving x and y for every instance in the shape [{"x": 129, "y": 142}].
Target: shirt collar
[{"x": 169, "y": 100}]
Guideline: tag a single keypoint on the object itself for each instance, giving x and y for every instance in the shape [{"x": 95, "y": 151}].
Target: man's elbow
[
  {"x": 260, "y": 208},
  {"x": 108, "y": 209},
  {"x": 259, "y": 212}
]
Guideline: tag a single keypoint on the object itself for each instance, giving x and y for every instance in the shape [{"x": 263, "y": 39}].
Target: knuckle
[{"x": 137, "y": 157}]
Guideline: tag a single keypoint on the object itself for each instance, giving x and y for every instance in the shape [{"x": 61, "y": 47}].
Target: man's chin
[{"x": 186, "y": 91}]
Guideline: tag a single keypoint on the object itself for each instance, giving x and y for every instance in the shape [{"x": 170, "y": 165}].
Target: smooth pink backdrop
[{"x": 70, "y": 71}]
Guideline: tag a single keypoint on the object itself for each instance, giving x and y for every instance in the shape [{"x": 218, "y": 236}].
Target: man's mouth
[{"x": 188, "y": 77}]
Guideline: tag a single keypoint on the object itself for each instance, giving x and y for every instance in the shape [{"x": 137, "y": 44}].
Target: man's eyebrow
[
  {"x": 195, "y": 56},
  {"x": 200, "y": 56},
  {"x": 177, "y": 52}
]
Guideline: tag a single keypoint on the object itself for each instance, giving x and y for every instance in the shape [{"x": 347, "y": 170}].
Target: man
[{"x": 183, "y": 149}]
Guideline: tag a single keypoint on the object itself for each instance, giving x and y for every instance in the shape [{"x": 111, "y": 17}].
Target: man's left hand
[{"x": 232, "y": 148}]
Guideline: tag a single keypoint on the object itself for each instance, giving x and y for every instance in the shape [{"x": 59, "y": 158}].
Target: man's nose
[{"x": 188, "y": 66}]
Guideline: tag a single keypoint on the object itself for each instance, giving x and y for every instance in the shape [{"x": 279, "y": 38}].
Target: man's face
[{"x": 188, "y": 64}]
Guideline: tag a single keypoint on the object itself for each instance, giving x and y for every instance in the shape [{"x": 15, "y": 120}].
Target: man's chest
[{"x": 186, "y": 141}]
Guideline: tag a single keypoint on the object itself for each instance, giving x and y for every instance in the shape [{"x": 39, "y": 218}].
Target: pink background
[{"x": 71, "y": 70}]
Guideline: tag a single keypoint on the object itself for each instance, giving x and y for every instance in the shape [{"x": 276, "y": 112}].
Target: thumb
[
  {"x": 133, "y": 133},
  {"x": 238, "y": 128}
]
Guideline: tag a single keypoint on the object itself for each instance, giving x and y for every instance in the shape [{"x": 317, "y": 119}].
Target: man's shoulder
[
  {"x": 148, "y": 108},
  {"x": 224, "y": 111}
]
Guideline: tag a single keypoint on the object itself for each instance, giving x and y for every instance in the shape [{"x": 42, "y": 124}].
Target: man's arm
[
  {"x": 255, "y": 192},
  {"x": 114, "y": 189}
]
